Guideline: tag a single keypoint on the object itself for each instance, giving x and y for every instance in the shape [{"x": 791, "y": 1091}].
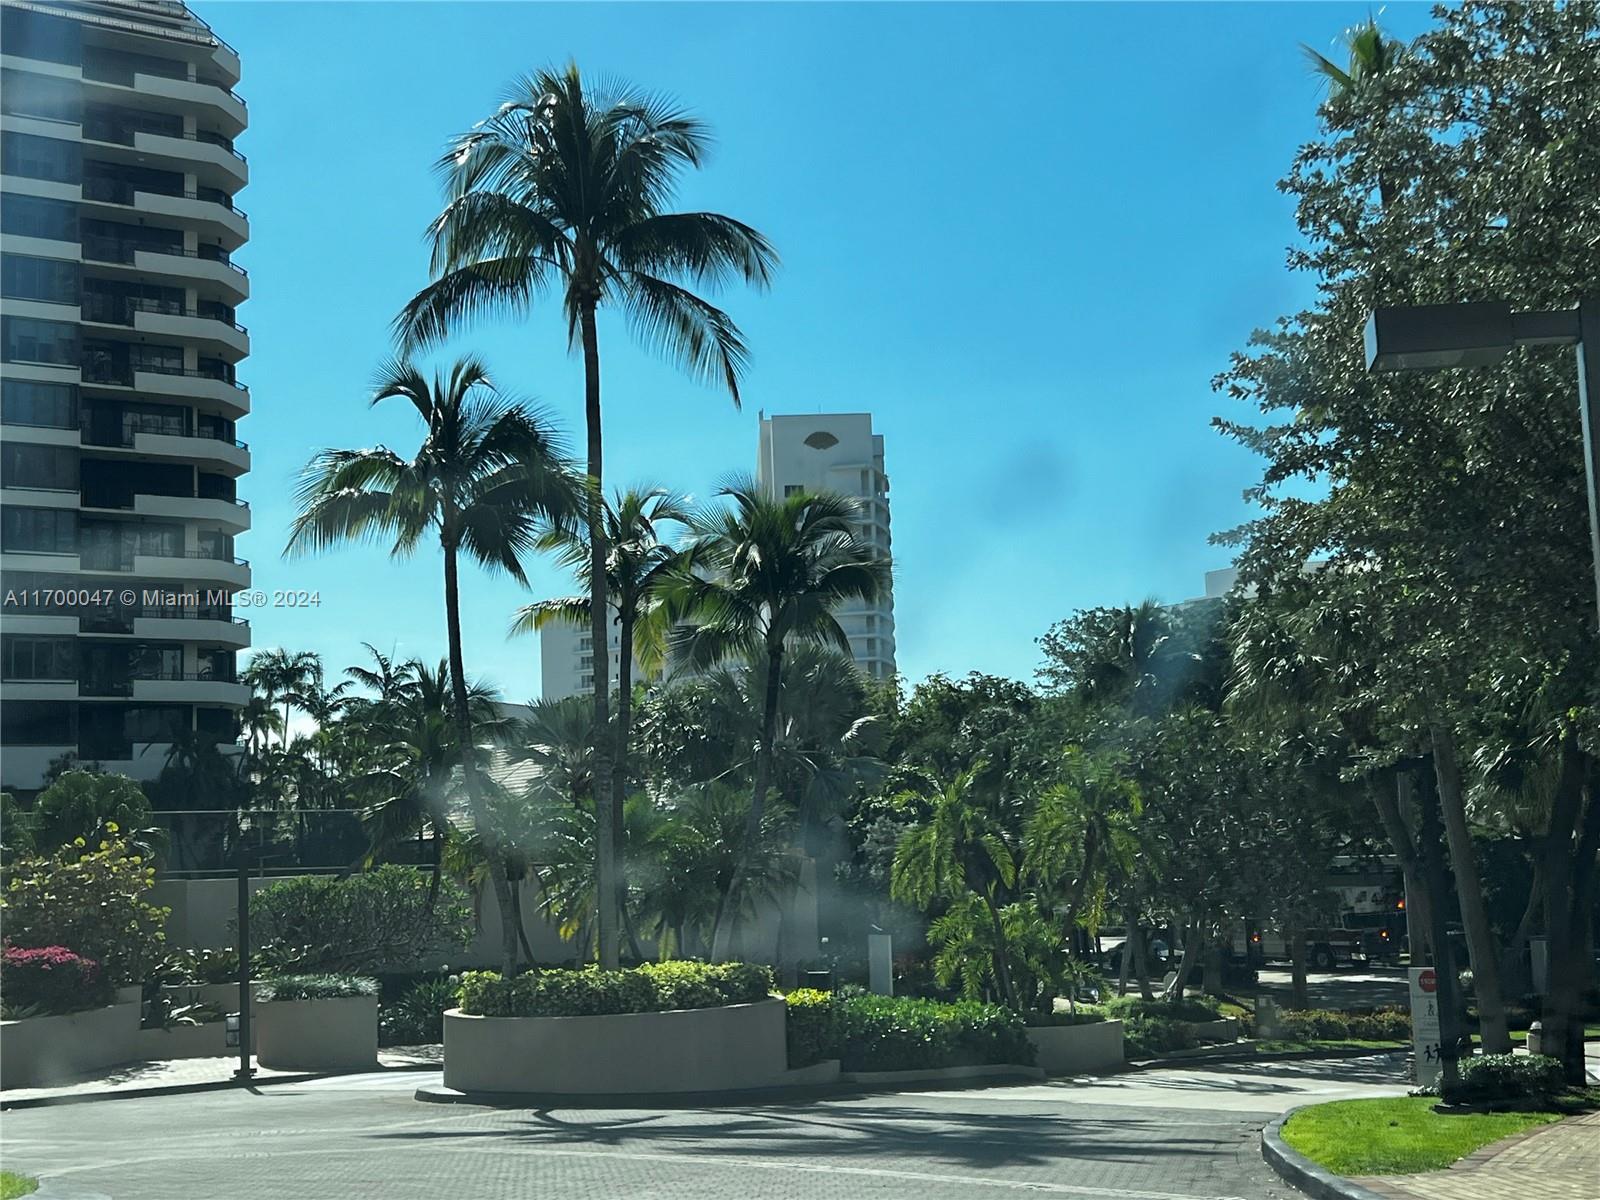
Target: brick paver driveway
[{"x": 1179, "y": 1135}]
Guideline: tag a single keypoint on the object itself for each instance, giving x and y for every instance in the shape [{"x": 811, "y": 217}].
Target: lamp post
[{"x": 1436, "y": 337}]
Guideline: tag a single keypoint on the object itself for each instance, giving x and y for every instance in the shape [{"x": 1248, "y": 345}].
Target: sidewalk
[
  {"x": 193, "y": 1074},
  {"x": 1553, "y": 1162}
]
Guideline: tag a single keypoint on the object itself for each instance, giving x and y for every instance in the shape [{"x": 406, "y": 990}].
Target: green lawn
[
  {"x": 1397, "y": 1137},
  {"x": 1277, "y": 1046},
  {"x": 12, "y": 1185}
]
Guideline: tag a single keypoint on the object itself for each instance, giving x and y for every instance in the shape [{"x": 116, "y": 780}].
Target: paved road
[{"x": 1159, "y": 1135}]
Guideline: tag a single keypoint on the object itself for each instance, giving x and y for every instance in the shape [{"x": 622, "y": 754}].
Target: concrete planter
[
  {"x": 730, "y": 1048},
  {"x": 1224, "y": 1029},
  {"x": 338, "y": 1034},
  {"x": 186, "y": 1041},
  {"x": 42, "y": 1051},
  {"x": 1069, "y": 1049}
]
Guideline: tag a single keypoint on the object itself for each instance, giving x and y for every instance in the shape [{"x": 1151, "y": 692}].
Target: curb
[
  {"x": 783, "y": 1094},
  {"x": 185, "y": 1089},
  {"x": 1304, "y": 1174},
  {"x": 1227, "y": 1055}
]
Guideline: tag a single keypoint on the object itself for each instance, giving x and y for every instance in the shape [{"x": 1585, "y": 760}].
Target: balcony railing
[
  {"x": 120, "y": 310},
  {"x": 115, "y": 250},
  {"x": 120, "y": 191},
  {"x": 126, "y": 133}
]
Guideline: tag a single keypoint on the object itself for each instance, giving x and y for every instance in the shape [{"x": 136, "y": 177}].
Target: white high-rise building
[
  {"x": 567, "y": 660},
  {"x": 119, "y": 486},
  {"x": 838, "y": 452}
]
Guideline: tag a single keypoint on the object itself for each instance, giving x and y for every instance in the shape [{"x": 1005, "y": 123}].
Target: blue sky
[{"x": 1024, "y": 237}]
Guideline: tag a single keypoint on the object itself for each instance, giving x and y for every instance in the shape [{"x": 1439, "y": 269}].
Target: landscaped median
[{"x": 1322, "y": 1148}]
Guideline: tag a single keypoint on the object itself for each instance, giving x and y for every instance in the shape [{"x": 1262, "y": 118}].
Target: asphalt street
[{"x": 1153, "y": 1135}]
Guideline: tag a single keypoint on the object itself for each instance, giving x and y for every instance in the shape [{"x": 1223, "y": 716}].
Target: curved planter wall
[
  {"x": 1065, "y": 1049},
  {"x": 338, "y": 1034},
  {"x": 41, "y": 1051},
  {"x": 687, "y": 1050}
]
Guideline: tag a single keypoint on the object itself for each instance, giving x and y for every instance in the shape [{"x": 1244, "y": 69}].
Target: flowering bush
[
  {"x": 90, "y": 897},
  {"x": 49, "y": 980}
]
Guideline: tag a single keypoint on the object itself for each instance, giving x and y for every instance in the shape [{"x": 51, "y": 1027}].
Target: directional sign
[{"x": 1425, "y": 1042}]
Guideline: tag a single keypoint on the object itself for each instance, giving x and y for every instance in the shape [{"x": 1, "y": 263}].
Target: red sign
[{"x": 1428, "y": 981}]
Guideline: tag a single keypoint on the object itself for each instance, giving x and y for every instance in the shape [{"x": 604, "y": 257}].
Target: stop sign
[{"x": 1427, "y": 981}]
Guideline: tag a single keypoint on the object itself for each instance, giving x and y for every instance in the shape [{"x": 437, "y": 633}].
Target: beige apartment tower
[
  {"x": 838, "y": 452},
  {"x": 120, "y": 459}
]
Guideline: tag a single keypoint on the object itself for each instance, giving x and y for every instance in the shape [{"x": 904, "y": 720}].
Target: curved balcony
[
  {"x": 207, "y": 157},
  {"x": 232, "y": 515},
  {"x": 235, "y": 633},
  {"x": 233, "y": 399},
  {"x": 211, "y": 266},
  {"x": 191, "y": 688},
  {"x": 210, "y": 210}
]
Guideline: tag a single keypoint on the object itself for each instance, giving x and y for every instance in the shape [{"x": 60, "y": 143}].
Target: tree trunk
[
  {"x": 522, "y": 933},
  {"x": 1211, "y": 969},
  {"x": 469, "y": 752},
  {"x": 1080, "y": 888},
  {"x": 1514, "y": 962},
  {"x": 1191, "y": 951},
  {"x": 619, "y": 774},
  {"x": 1300, "y": 994},
  {"x": 1569, "y": 850},
  {"x": 1484, "y": 955},
  {"x": 607, "y": 876},
  {"x": 1388, "y": 802},
  {"x": 721, "y": 927},
  {"x": 1141, "y": 963}
]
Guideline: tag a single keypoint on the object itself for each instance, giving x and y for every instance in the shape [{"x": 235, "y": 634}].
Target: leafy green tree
[
  {"x": 768, "y": 574},
  {"x": 80, "y": 804},
  {"x": 487, "y": 474},
  {"x": 564, "y": 188}
]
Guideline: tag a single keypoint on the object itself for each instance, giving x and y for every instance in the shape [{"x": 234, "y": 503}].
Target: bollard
[{"x": 1536, "y": 1038}]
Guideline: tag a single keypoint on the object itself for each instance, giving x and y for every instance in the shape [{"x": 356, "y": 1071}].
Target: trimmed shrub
[
  {"x": 813, "y": 1022},
  {"x": 889, "y": 1033},
  {"x": 1314, "y": 1024},
  {"x": 1381, "y": 1025},
  {"x": 417, "y": 1018},
  {"x": 1494, "y": 1077},
  {"x": 51, "y": 980},
  {"x": 1147, "y": 1035},
  {"x": 655, "y": 987},
  {"x": 315, "y": 987},
  {"x": 1191, "y": 1008},
  {"x": 198, "y": 966}
]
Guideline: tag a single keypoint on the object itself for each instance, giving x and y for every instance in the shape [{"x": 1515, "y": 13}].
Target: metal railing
[
  {"x": 121, "y": 191},
  {"x": 126, "y": 133},
  {"x": 106, "y": 249}
]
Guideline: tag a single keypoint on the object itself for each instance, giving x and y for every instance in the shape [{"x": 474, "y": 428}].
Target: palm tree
[
  {"x": 562, "y": 188},
  {"x": 768, "y": 574},
  {"x": 284, "y": 675},
  {"x": 958, "y": 852},
  {"x": 1372, "y": 55},
  {"x": 486, "y": 477},
  {"x": 637, "y": 563}
]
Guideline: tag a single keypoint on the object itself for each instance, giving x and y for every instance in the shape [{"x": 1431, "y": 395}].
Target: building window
[
  {"x": 39, "y": 217},
  {"x": 586, "y": 643},
  {"x": 41, "y": 530},
  {"x": 586, "y": 681},
  {"x": 44, "y": 96},
  {"x": 53, "y": 468},
  {"x": 28, "y": 402},
  {"x": 586, "y": 662},
  {"x": 52, "y": 343},
  {"x": 39, "y": 658},
  {"x": 49, "y": 279},
  {"x": 35, "y": 157},
  {"x": 793, "y": 489},
  {"x": 41, "y": 36},
  {"x": 39, "y": 722},
  {"x": 155, "y": 723}
]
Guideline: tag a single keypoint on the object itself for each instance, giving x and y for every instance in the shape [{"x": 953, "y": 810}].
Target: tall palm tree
[
  {"x": 768, "y": 574},
  {"x": 485, "y": 479},
  {"x": 638, "y": 562},
  {"x": 563, "y": 188},
  {"x": 1372, "y": 55},
  {"x": 286, "y": 675}
]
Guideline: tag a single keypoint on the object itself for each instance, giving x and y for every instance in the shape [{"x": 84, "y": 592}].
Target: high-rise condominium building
[
  {"x": 838, "y": 452},
  {"x": 121, "y": 460},
  {"x": 567, "y": 660}
]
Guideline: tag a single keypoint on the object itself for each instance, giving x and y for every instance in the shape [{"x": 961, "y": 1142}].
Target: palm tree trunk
[
  {"x": 619, "y": 774},
  {"x": 1481, "y": 949},
  {"x": 1300, "y": 995},
  {"x": 1091, "y": 847},
  {"x": 607, "y": 877},
  {"x": 722, "y": 928},
  {"x": 469, "y": 753}
]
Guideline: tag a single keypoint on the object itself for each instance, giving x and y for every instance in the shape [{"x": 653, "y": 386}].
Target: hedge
[
  {"x": 1193, "y": 1009},
  {"x": 888, "y": 1033},
  {"x": 1086, "y": 1014},
  {"x": 654, "y": 987},
  {"x": 1493, "y": 1077},
  {"x": 1320, "y": 1024}
]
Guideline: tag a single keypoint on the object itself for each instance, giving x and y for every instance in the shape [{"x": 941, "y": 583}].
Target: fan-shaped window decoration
[{"x": 822, "y": 440}]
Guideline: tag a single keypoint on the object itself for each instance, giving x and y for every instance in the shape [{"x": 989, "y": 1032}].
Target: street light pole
[{"x": 1439, "y": 336}]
